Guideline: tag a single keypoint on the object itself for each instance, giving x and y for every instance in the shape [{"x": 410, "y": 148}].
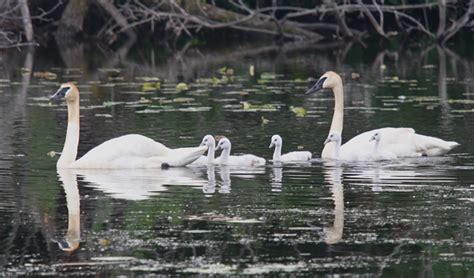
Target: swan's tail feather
[
  {"x": 432, "y": 146},
  {"x": 183, "y": 156}
]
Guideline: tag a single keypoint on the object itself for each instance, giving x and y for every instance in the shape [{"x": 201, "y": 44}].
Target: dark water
[{"x": 404, "y": 218}]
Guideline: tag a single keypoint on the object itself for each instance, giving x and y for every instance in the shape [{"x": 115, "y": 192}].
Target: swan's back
[
  {"x": 243, "y": 160},
  {"x": 131, "y": 145},
  {"x": 402, "y": 142},
  {"x": 136, "y": 151},
  {"x": 296, "y": 156}
]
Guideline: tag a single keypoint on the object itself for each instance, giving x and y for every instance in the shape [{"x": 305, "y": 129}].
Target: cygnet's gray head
[
  {"x": 275, "y": 141},
  {"x": 208, "y": 141},
  {"x": 333, "y": 137},
  {"x": 375, "y": 137},
  {"x": 223, "y": 144}
]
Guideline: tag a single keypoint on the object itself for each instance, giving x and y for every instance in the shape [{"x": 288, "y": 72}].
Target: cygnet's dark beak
[
  {"x": 327, "y": 141},
  {"x": 318, "y": 86}
]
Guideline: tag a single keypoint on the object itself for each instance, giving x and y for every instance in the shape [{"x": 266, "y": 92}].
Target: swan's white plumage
[
  {"x": 277, "y": 142},
  {"x": 128, "y": 151},
  {"x": 236, "y": 160},
  {"x": 136, "y": 151},
  {"x": 402, "y": 142}
]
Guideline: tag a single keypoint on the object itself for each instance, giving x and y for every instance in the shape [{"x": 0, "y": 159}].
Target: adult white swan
[
  {"x": 395, "y": 139},
  {"x": 128, "y": 151}
]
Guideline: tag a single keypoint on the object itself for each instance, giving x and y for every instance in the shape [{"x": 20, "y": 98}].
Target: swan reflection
[
  {"x": 210, "y": 187},
  {"x": 276, "y": 176},
  {"x": 224, "y": 172},
  {"x": 138, "y": 184},
  {"x": 333, "y": 176},
  {"x": 73, "y": 235}
]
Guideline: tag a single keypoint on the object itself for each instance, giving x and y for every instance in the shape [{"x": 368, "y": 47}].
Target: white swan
[
  {"x": 242, "y": 160},
  {"x": 384, "y": 154},
  {"x": 277, "y": 142},
  {"x": 335, "y": 138},
  {"x": 128, "y": 151},
  {"x": 396, "y": 140},
  {"x": 208, "y": 159}
]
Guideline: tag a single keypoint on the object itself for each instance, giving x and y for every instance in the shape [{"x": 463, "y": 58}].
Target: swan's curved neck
[
  {"x": 211, "y": 150},
  {"x": 69, "y": 153},
  {"x": 277, "y": 153}
]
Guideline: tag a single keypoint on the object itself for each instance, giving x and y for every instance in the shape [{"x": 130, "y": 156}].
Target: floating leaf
[
  {"x": 25, "y": 71},
  {"x": 181, "y": 87},
  {"x": 299, "y": 111},
  {"x": 151, "y": 86},
  {"x": 52, "y": 153},
  {"x": 112, "y": 103},
  {"x": 103, "y": 115},
  {"x": 355, "y": 75},
  {"x": 46, "y": 75},
  {"x": 252, "y": 70},
  {"x": 264, "y": 120},
  {"x": 195, "y": 109},
  {"x": 246, "y": 106},
  {"x": 183, "y": 99}
]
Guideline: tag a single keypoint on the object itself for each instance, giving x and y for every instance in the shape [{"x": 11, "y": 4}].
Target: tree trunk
[
  {"x": 26, "y": 18},
  {"x": 442, "y": 18},
  {"x": 72, "y": 19},
  {"x": 260, "y": 23}
]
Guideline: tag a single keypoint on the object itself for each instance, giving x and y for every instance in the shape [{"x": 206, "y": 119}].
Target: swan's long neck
[
  {"x": 277, "y": 153},
  {"x": 225, "y": 155},
  {"x": 338, "y": 116},
  {"x": 337, "y": 120},
  {"x": 211, "y": 150},
  {"x": 69, "y": 153}
]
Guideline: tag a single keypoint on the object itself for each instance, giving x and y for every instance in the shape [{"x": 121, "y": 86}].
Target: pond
[{"x": 410, "y": 217}]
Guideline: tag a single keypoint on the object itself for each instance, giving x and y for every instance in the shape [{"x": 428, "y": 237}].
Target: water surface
[{"x": 411, "y": 217}]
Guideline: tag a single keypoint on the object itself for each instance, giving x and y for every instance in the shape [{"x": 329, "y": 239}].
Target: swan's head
[
  {"x": 67, "y": 91},
  {"x": 275, "y": 141},
  {"x": 208, "y": 141},
  {"x": 223, "y": 144},
  {"x": 329, "y": 80},
  {"x": 333, "y": 137},
  {"x": 375, "y": 137}
]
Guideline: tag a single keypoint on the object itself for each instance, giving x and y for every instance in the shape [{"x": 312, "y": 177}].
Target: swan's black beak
[
  {"x": 60, "y": 93},
  {"x": 318, "y": 86},
  {"x": 372, "y": 139},
  {"x": 62, "y": 243},
  {"x": 327, "y": 141}
]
